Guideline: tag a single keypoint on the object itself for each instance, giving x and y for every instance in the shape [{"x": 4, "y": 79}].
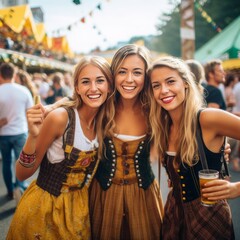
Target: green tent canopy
[{"x": 225, "y": 45}]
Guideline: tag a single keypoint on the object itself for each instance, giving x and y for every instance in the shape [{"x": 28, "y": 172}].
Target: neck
[
  {"x": 87, "y": 117},
  {"x": 212, "y": 82},
  {"x": 6, "y": 81},
  {"x": 128, "y": 104}
]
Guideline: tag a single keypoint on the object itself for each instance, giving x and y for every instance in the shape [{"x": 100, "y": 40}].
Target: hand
[
  {"x": 3, "y": 121},
  {"x": 227, "y": 151},
  {"x": 35, "y": 116},
  {"x": 221, "y": 189}
]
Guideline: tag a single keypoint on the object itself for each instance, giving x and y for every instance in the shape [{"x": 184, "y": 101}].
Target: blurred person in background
[
  {"x": 14, "y": 102},
  {"x": 236, "y": 92},
  {"x": 229, "y": 84},
  {"x": 68, "y": 84},
  {"x": 23, "y": 78},
  {"x": 215, "y": 75},
  {"x": 56, "y": 91},
  {"x": 197, "y": 69},
  {"x": 41, "y": 82}
]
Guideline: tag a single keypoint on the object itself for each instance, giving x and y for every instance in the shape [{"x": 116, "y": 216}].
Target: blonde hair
[
  {"x": 77, "y": 102},
  {"x": 160, "y": 119},
  {"x": 117, "y": 61}
]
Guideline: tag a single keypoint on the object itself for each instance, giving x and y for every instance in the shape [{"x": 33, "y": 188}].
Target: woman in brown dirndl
[
  {"x": 125, "y": 199},
  {"x": 176, "y": 112}
]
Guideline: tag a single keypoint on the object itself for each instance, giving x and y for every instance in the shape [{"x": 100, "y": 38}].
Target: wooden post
[{"x": 187, "y": 29}]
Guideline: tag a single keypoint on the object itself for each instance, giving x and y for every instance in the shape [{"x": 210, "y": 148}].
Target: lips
[{"x": 167, "y": 99}]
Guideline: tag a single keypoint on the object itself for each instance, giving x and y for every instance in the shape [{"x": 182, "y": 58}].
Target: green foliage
[{"x": 168, "y": 40}]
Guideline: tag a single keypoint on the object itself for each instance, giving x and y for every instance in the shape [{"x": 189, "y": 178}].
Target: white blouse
[{"x": 55, "y": 152}]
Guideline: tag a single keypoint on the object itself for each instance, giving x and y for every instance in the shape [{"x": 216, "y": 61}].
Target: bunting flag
[
  {"x": 82, "y": 20},
  {"x": 77, "y": 2},
  {"x": 91, "y": 13},
  {"x": 207, "y": 17}
]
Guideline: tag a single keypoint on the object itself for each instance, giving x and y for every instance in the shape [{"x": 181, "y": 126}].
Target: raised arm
[{"x": 41, "y": 136}]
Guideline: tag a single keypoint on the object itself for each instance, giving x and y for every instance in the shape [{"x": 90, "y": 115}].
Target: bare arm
[
  {"x": 41, "y": 135},
  {"x": 51, "y": 107},
  {"x": 216, "y": 124}
]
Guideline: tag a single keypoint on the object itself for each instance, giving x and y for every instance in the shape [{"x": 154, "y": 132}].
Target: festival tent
[
  {"x": 20, "y": 20},
  {"x": 225, "y": 45},
  {"x": 17, "y": 23}
]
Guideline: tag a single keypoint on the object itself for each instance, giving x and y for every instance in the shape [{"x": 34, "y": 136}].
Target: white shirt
[
  {"x": 236, "y": 92},
  {"x": 55, "y": 153},
  {"x": 14, "y": 102}
]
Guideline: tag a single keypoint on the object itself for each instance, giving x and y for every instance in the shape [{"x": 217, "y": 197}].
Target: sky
[{"x": 115, "y": 21}]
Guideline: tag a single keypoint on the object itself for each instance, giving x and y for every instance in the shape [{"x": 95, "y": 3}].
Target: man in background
[
  {"x": 214, "y": 75},
  {"x": 14, "y": 101}
]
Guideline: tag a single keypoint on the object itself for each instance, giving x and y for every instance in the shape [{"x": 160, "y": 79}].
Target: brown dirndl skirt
[{"x": 192, "y": 220}]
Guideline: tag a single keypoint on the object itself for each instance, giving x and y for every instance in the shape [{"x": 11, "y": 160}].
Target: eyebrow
[
  {"x": 169, "y": 78},
  {"x": 102, "y": 76},
  {"x": 137, "y": 68}
]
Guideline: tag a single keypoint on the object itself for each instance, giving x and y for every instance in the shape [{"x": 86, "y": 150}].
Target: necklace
[
  {"x": 93, "y": 126},
  {"x": 88, "y": 127}
]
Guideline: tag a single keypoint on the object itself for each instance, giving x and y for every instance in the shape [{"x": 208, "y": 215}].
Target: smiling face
[
  {"x": 92, "y": 86},
  {"x": 129, "y": 78},
  {"x": 168, "y": 88}
]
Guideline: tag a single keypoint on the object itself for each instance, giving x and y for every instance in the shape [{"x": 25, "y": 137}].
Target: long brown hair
[{"x": 117, "y": 61}]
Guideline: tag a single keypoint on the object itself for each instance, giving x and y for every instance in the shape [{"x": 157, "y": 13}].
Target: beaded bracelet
[{"x": 27, "y": 160}]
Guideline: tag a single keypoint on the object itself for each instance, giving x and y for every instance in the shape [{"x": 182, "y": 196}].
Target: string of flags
[
  {"x": 82, "y": 20},
  {"x": 207, "y": 17}
]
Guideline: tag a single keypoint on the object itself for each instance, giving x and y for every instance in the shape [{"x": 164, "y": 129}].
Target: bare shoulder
[
  {"x": 57, "y": 119},
  {"x": 212, "y": 116}
]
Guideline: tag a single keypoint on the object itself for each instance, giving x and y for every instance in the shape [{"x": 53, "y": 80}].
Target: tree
[{"x": 168, "y": 40}]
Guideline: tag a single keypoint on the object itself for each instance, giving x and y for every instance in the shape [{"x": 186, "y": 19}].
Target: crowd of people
[{"x": 94, "y": 135}]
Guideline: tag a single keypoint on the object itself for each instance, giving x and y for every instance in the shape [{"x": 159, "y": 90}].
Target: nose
[
  {"x": 93, "y": 86},
  {"x": 165, "y": 88},
  {"x": 129, "y": 78}
]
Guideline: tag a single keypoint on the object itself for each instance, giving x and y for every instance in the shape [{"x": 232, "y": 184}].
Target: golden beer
[{"x": 204, "y": 177}]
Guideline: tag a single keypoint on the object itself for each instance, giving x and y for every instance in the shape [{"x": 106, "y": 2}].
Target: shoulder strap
[
  {"x": 224, "y": 168},
  {"x": 200, "y": 143},
  {"x": 68, "y": 136}
]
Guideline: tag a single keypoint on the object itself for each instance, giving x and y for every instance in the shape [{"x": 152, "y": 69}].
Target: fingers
[
  {"x": 215, "y": 182},
  {"x": 216, "y": 190},
  {"x": 35, "y": 114}
]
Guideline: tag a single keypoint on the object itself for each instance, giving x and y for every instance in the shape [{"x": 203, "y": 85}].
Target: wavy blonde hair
[
  {"x": 101, "y": 117},
  {"x": 160, "y": 120}
]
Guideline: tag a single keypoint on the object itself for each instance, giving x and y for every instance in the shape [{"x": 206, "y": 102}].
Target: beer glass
[{"x": 205, "y": 176}]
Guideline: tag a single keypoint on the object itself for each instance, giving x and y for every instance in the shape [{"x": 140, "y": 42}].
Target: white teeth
[
  {"x": 128, "y": 88},
  {"x": 94, "y": 96}
]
